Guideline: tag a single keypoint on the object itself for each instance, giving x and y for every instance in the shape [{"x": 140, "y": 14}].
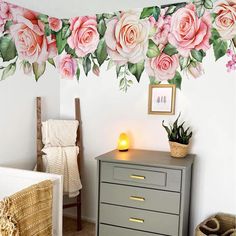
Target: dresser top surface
[{"x": 146, "y": 157}]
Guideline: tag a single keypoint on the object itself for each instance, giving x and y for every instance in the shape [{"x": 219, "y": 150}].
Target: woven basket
[
  {"x": 178, "y": 150},
  {"x": 220, "y": 224}
]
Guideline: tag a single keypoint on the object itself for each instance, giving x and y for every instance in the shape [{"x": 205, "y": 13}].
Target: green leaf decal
[
  {"x": 118, "y": 69},
  {"x": 220, "y": 48},
  {"x": 180, "y": 5},
  {"x": 101, "y": 52},
  {"x": 65, "y": 32},
  {"x": 173, "y": 8},
  {"x": 150, "y": 11},
  {"x": 47, "y": 30},
  {"x": 8, "y": 24},
  {"x": 78, "y": 73},
  {"x": 184, "y": 62},
  {"x": 122, "y": 82},
  {"x": 99, "y": 17},
  {"x": 61, "y": 43},
  {"x": 152, "y": 80},
  {"x": 200, "y": 10},
  {"x": 156, "y": 12},
  {"x": 108, "y": 15},
  {"x": 170, "y": 50},
  {"x": 43, "y": 18},
  {"x": 9, "y": 71},
  {"x": 213, "y": 17},
  {"x": 70, "y": 51},
  {"x": 177, "y": 80},
  {"x": 208, "y": 4},
  {"x": 51, "y": 61},
  {"x": 102, "y": 27},
  {"x": 202, "y": 52},
  {"x": 7, "y": 48},
  {"x": 38, "y": 69},
  {"x": 130, "y": 82},
  {"x": 153, "y": 50},
  {"x": 214, "y": 35},
  {"x": 146, "y": 12},
  {"x": 86, "y": 65},
  {"x": 234, "y": 41},
  {"x": 65, "y": 21},
  {"x": 197, "y": 55},
  {"x": 170, "y": 10},
  {"x": 136, "y": 69},
  {"x": 111, "y": 63}
]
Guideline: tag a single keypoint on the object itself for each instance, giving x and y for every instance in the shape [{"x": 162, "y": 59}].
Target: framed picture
[{"x": 161, "y": 99}]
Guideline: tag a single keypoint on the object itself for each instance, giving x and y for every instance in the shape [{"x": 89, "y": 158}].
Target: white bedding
[{"x": 14, "y": 180}]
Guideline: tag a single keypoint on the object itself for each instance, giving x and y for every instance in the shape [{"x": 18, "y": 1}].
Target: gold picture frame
[{"x": 161, "y": 99}]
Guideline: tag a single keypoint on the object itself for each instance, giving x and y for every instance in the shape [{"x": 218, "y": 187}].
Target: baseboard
[
  {"x": 90, "y": 220},
  {"x": 70, "y": 215}
]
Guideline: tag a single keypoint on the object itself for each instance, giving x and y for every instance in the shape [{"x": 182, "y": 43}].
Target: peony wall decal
[{"x": 164, "y": 43}]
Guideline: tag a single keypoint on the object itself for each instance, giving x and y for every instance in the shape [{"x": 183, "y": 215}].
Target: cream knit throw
[
  {"x": 59, "y": 133},
  {"x": 63, "y": 161}
]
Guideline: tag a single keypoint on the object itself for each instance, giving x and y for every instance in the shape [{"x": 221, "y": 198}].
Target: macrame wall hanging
[{"x": 163, "y": 42}]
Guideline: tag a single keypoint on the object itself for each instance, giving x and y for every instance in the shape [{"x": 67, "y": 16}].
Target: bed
[{"x": 14, "y": 180}]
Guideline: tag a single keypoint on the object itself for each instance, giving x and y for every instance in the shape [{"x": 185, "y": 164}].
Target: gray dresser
[{"x": 143, "y": 193}]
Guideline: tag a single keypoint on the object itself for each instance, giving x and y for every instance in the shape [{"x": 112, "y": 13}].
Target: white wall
[
  {"x": 72, "y": 8},
  {"x": 208, "y": 104},
  {"x": 18, "y": 115}
]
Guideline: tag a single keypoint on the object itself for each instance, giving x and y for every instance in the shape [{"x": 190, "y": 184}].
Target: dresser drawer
[
  {"x": 107, "y": 230},
  {"x": 157, "y": 178},
  {"x": 148, "y": 199},
  {"x": 152, "y": 222}
]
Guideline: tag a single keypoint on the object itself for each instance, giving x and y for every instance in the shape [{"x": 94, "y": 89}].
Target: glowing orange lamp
[{"x": 123, "y": 142}]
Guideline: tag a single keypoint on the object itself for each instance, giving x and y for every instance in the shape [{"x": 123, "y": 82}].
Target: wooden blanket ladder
[{"x": 77, "y": 204}]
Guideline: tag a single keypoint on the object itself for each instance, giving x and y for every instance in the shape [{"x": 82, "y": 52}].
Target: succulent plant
[{"x": 177, "y": 133}]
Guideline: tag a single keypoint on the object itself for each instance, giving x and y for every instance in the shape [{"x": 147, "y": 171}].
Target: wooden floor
[{"x": 69, "y": 228}]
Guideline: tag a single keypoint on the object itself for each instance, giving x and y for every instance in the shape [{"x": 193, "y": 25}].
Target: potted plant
[{"x": 178, "y": 138}]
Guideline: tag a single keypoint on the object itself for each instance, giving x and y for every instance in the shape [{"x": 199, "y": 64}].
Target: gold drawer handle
[
  {"x": 135, "y": 198},
  {"x": 136, "y": 220},
  {"x": 137, "y": 177}
]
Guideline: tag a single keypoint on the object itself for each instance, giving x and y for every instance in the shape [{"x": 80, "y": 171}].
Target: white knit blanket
[
  {"x": 59, "y": 133},
  {"x": 63, "y": 161}
]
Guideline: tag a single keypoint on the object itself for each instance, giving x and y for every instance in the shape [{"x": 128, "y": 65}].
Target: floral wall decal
[{"x": 163, "y": 42}]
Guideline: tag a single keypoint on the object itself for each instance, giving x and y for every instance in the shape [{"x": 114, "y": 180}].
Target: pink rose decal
[
  {"x": 162, "y": 27},
  {"x": 96, "y": 70},
  {"x": 162, "y": 67},
  {"x": 84, "y": 37},
  {"x": 27, "y": 67},
  {"x": 5, "y": 14},
  {"x": 66, "y": 65},
  {"x": 127, "y": 38},
  {"x": 28, "y": 34},
  {"x": 195, "y": 70},
  {"x": 188, "y": 31},
  {"x": 231, "y": 64},
  {"x": 55, "y": 24},
  {"x": 2, "y": 23},
  {"x": 225, "y": 21},
  {"x": 5, "y": 11},
  {"x": 52, "y": 46}
]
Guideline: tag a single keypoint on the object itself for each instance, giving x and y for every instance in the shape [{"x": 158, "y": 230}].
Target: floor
[{"x": 69, "y": 228}]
